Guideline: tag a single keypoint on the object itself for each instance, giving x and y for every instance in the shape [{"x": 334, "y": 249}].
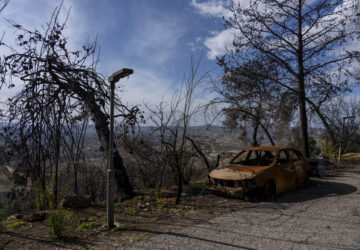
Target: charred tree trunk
[
  {"x": 202, "y": 155},
  {"x": 57, "y": 154},
  {"x": 267, "y": 134},
  {"x": 179, "y": 190},
  {"x": 76, "y": 188},
  {"x": 123, "y": 187},
  {"x": 301, "y": 85},
  {"x": 323, "y": 119},
  {"x": 254, "y": 137},
  {"x": 303, "y": 120},
  {"x": 122, "y": 183}
]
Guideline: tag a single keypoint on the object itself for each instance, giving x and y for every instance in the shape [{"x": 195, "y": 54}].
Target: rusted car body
[{"x": 269, "y": 169}]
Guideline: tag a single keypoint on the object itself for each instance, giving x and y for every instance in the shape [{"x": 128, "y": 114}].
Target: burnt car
[{"x": 268, "y": 170}]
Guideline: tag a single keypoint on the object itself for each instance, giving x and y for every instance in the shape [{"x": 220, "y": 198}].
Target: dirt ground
[{"x": 144, "y": 216}]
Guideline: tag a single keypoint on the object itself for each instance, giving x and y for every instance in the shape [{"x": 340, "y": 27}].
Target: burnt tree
[
  {"x": 305, "y": 39},
  {"x": 43, "y": 61}
]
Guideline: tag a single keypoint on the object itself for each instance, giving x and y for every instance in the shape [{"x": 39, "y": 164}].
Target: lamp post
[
  {"x": 115, "y": 77},
  {"x": 342, "y": 133}
]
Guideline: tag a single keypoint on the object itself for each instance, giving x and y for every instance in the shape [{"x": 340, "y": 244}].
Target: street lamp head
[{"x": 120, "y": 74}]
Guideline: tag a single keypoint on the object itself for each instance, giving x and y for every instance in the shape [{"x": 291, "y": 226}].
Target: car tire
[{"x": 269, "y": 190}]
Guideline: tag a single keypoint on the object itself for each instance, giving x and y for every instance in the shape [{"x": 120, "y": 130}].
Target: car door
[{"x": 285, "y": 176}]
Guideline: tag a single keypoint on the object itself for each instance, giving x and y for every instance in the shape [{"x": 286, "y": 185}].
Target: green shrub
[
  {"x": 115, "y": 229},
  {"x": 181, "y": 208},
  {"x": 200, "y": 181},
  {"x": 43, "y": 198},
  {"x": 131, "y": 210},
  {"x": 162, "y": 203},
  {"x": 139, "y": 198},
  {"x": 85, "y": 226},
  {"x": 330, "y": 150},
  {"x": 59, "y": 220},
  {"x": 16, "y": 224}
]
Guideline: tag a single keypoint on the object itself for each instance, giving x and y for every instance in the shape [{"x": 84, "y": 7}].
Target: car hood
[{"x": 233, "y": 172}]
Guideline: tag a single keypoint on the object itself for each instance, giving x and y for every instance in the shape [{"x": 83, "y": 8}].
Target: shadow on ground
[
  {"x": 315, "y": 190},
  {"x": 62, "y": 243}
]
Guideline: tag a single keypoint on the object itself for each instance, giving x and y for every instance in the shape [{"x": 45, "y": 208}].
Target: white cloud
[
  {"x": 218, "y": 8},
  {"x": 219, "y": 41},
  {"x": 219, "y": 44},
  {"x": 212, "y": 8}
]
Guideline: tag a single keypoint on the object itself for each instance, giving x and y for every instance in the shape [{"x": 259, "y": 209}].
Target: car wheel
[{"x": 270, "y": 190}]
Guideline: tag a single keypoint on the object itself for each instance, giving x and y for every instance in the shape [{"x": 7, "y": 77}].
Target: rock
[
  {"x": 117, "y": 224},
  {"x": 76, "y": 201},
  {"x": 141, "y": 205},
  {"x": 16, "y": 216},
  {"x": 37, "y": 217}
]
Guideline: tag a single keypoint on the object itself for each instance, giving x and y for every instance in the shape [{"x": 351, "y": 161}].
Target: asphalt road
[{"x": 323, "y": 215}]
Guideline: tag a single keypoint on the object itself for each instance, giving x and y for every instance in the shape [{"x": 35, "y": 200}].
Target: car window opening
[{"x": 254, "y": 158}]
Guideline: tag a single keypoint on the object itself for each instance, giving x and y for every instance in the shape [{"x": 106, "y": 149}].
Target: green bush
[
  {"x": 200, "y": 181},
  {"x": 181, "y": 208},
  {"x": 330, "y": 150},
  {"x": 59, "y": 220},
  {"x": 162, "y": 203},
  {"x": 16, "y": 224},
  {"x": 139, "y": 198},
  {"x": 43, "y": 198},
  {"x": 85, "y": 226},
  {"x": 131, "y": 210}
]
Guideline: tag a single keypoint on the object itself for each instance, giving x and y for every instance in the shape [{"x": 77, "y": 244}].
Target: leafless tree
[
  {"x": 73, "y": 143},
  {"x": 49, "y": 70},
  {"x": 173, "y": 125},
  {"x": 305, "y": 39},
  {"x": 203, "y": 156},
  {"x": 343, "y": 115}
]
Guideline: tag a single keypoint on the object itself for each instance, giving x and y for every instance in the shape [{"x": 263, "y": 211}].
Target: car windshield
[{"x": 254, "y": 158}]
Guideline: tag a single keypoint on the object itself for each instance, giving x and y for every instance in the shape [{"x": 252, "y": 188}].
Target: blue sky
[{"x": 154, "y": 37}]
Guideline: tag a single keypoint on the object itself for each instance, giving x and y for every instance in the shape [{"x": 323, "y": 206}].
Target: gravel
[{"x": 323, "y": 215}]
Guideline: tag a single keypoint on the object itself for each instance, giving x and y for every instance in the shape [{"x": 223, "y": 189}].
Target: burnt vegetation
[{"x": 281, "y": 84}]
